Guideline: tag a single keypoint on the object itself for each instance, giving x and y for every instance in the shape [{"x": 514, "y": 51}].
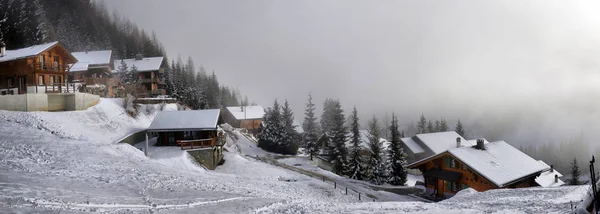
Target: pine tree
[
  {"x": 437, "y": 126},
  {"x": 375, "y": 170},
  {"x": 575, "y": 173},
  {"x": 328, "y": 114},
  {"x": 459, "y": 129},
  {"x": 310, "y": 128},
  {"x": 289, "y": 134},
  {"x": 430, "y": 128},
  {"x": 355, "y": 161},
  {"x": 338, "y": 135},
  {"x": 443, "y": 126},
  {"x": 422, "y": 125},
  {"x": 397, "y": 157}
]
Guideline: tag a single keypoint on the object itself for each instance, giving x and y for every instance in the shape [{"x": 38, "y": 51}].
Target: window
[
  {"x": 451, "y": 163},
  {"x": 40, "y": 80},
  {"x": 451, "y": 186},
  {"x": 464, "y": 167},
  {"x": 56, "y": 61},
  {"x": 43, "y": 61},
  {"x": 51, "y": 80},
  {"x": 9, "y": 82}
]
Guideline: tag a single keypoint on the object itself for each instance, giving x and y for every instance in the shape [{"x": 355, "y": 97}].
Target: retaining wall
[{"x": 48, "y": 102}]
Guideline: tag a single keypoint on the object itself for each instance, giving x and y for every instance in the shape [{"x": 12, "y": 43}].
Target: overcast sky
[{"x": 522, "y": 71}]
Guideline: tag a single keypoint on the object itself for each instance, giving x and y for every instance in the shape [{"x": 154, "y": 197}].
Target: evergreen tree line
[
  {"x": 198, "y": 89},
  {"x": 424, "y": 126},
  {"x": 374, "y": 162},
  {"x": 279, "y": 133},
  {"x": 80, "y": 25}
]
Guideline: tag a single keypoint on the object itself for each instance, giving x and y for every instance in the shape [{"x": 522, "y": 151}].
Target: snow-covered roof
[
  {"x": 93, "y": 57},
  {"x": 145, "y": 64},
  {"x": 185, "y": 120},
  {"x": 546, "y": 179},
  {"x": 27, "y": 52},
  {"x": 412, "y": 145},
  {"x": 500, "y": 162},
  {"x": 439, "y": 142},
  {"x": 80, "y": 66},
  {"x": 250, "y": 112}
]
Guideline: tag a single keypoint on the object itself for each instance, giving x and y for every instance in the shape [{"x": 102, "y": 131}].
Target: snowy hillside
[{"x": 67, "y": 161}]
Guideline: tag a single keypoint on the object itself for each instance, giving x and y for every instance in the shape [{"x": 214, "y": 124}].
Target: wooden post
[
  {"x": 146, "y": 150},
  {"x": 359, "y": 196},
  {"x": 323, "y": 178},
  {"x": 334, "y": 185},
  {"x": 346, "y": 190}
]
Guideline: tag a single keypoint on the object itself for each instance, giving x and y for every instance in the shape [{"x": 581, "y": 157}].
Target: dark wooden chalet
[{"x": 196, "y": 129}]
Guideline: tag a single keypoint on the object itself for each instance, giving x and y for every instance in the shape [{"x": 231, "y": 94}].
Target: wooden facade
[
  {"x": 253, "y": 125},
  {"x": 444, "y": 175},
  {"x": 48, "y": 68}
]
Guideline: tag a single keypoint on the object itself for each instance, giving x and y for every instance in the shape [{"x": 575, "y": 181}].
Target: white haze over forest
[{"x": 522, "y": 71}]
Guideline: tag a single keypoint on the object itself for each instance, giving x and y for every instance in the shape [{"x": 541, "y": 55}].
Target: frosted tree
[
  {"x": 396, "y": 156},
  {"x": 355, "y": 162},
  {"x": 575, "y": 173},
  {"x": 443, "y": 125},
  {"x": 328, "y": 114},
  {"x": 437, "y": 126},
  {"x": 289, "y": 132},
  {"x": 421, "y": 125},
  {"x": 274, "y": 135},
  {"x": 376, "y": 170},
  {"x": 430, "y": 127},
  {"x": 459, "y": 129},
  {"x": 310, "y": 129},
  {"x": 338, "y": 139}
]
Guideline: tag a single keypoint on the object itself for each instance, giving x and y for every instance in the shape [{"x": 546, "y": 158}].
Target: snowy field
[{"x": 68, "y": 162}]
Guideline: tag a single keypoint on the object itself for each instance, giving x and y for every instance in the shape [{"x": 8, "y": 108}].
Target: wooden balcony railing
[
  {"x": 198, "y": 143},
  {"x": 58, "y": 88},
  {"x": 50, "y": 67}
]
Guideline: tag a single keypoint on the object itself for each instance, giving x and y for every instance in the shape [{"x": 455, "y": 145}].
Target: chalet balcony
[{"x": 49, "y": 68}]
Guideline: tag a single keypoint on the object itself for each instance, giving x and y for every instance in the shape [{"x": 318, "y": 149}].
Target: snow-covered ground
[{"x": 68, "y": 161}]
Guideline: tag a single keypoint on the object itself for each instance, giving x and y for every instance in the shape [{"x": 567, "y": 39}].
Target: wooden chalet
[
  {"x": 93, "y": 70},
  {"x": 248, "y": 117},
  {"x": 196, "y": 129},
  {"x": 150, "y": 70},
  {"x": 36, "y": 69},
  {"x": 482, "y": 167}
]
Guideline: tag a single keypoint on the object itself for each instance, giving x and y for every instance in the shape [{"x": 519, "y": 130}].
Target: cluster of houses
[{"x": 51, "y": 68}]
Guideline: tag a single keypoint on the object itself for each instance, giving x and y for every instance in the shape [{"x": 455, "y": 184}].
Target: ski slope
[{"x": 68, "y": 162}]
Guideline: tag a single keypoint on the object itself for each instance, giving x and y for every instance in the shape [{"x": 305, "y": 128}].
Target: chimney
[
  {"x": 458, "y": 142},
  {"x": 555, "y": 178},
  {"x": 480, "y": 144},
  {"x": 2, "y": 49},
  {"x": 551, "y": 168},
  {"x": 138, "y": 57}
]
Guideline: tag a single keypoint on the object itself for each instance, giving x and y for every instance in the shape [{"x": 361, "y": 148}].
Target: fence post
[
  {"x": 359, "y": 196},
  {"x": 334, "y": 185},
  {"x": 323, "y": 178},
  {"x": 346, "y": 190},
  {"x": 373, "y": 200}
]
